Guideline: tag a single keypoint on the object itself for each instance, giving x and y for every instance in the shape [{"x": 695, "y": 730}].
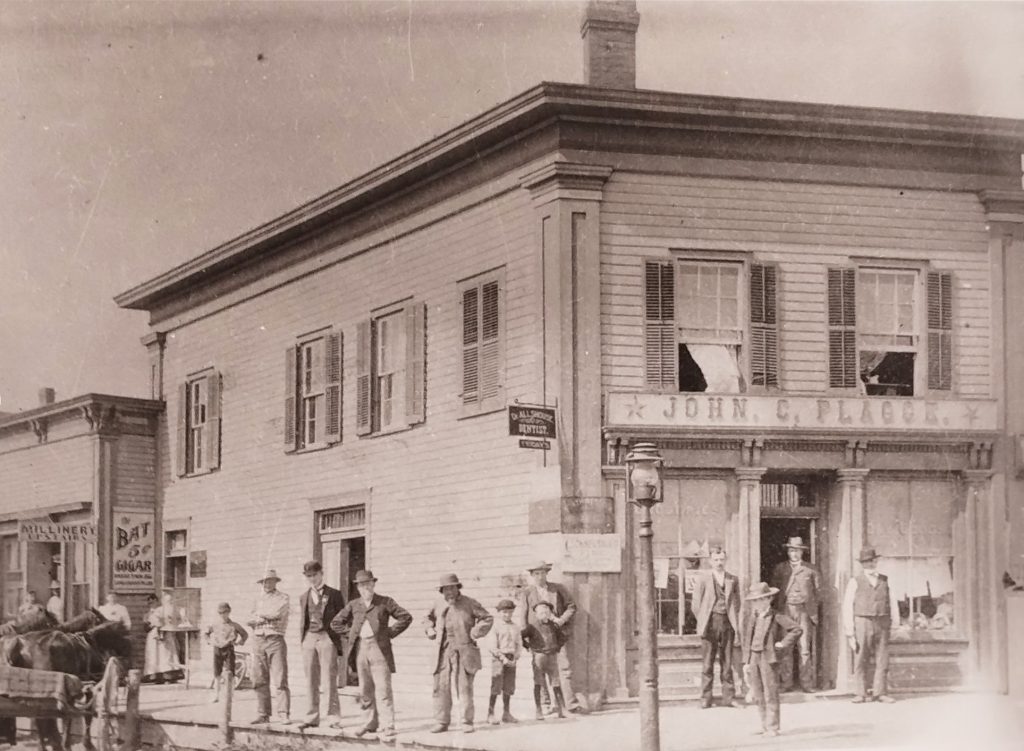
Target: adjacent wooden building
[{"x": 800, "y": 304}]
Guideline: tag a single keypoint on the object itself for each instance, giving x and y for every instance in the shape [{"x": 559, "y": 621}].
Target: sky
[{"x": 137, "y": 135}]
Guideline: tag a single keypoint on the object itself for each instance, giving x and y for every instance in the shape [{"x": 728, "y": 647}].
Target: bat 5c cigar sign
[{"x": 134, "y": 553}]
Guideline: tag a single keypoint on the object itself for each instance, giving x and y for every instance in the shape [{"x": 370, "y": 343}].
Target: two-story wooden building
[{"x": 798, "y": 303}]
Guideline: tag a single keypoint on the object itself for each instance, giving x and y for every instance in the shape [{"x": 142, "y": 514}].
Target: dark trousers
[
  {"x": 802, "y": 650},
  {"x": 764, "y": 685},
  {"x": 872, "y": 645},
  {"x": 717, "y": 640},
  {"x": 223, "y": 656}
]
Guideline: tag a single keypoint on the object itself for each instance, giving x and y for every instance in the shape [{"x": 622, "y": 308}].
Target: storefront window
[
  {"x": 176, "y": 558},
  {"x": 10, "y": 570},
  {"x": 910, "y": 523},
  {"x": 82, "y": 556}
]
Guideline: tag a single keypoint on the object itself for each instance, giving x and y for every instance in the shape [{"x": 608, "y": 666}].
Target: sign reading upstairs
[{"x": 799, "y": 412}]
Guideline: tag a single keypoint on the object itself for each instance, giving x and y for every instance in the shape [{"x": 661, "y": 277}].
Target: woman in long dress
[{"x": 162, "y": 664}]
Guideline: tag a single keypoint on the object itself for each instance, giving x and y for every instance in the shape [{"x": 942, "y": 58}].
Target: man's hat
[
  {"x": 448, "y": 580},
  {"x": 538, "y": 566},
  {"x": 271, "y": 574},
  {"x": 867, "y": 554},
  {"x": 796, "y": 542},
  {"x": 55, "y": 584},
  {"x": 223, "y": 608},
  {"x": 506, "y": 605},
  {"x": 545, "y": 603},
  {"x": 310, "y": 568},
  {"x": 759, "y": 590},
  {"x": 364, "y": 577}
]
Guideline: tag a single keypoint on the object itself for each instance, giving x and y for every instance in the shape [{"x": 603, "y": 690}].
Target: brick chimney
[
  {"x": 609, "y": 43},
  {"x": 47, "y": 396}
]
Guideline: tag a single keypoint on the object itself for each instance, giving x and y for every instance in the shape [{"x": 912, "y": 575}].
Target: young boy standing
[
  {"x": 766, "y": 634},
  {"x": 508, "y": 645},
  {"x": 224, "y": 635},
  {"x": 544, "y": 638}
]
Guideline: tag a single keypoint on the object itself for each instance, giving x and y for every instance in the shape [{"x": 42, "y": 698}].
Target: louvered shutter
[
  {"x": 471, "y": 345},
  {"x": 842, "y": 328},
  {"x": 182, "y": 456},
  {"x": 289, "y": 399},
  {"x": 660, "y": 356},
  {"x": 490, "y": 341},
  {"x": 333, "y": 374},
  {"x": 364, "y": 372},
  {"x": 211, "y": 460},
  {"x": 764, "y": 331},
  {"x": 415, "y": 363},
  {"x": 940, "y": 331}
]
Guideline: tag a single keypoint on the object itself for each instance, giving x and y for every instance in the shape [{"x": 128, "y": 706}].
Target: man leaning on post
[{"x": 564, "y": 608}]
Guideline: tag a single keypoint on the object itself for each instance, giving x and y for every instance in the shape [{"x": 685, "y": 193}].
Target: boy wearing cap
[
  {"x": 224, "y": 635},
  {"x": 457, "y": 622},
  {"x": 505, "y": 651},
  {"x": 798, "y": 585},
  {"x": 765, "y": 634},
  {"x": 269, "y": 622},
  {"x": 544, "y": 638},
  {"x": 869, "y": 606},
  {"x": 367, "y": 625},
  {"x": 563, "y": 608},
  {"x": 320, "y": 643}
]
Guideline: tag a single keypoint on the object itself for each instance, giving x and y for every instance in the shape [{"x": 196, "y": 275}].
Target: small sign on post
[{"x": 533, "y": 443}]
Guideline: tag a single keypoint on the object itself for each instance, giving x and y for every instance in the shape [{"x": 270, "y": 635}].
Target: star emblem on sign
[
  {"x": 125, "y": 521},
  {"x": 636, "y": 409}
]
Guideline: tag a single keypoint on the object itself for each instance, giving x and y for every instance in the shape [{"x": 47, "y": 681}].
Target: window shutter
[
  {"x": 211, "y": 460},
  {"x": 289, "y": 399},
  {"x": 660, "y": 355},
  {"x": 471, "y": 345},
  {"x": 415, "y": 363},
  {"x": 842, "y": 328},
  {"x": 333, "y": 373},
  {"x": 764, "y": 331},
  {"x": 364, "y": 360},
  {"x": 940, "y": 331},
  {"x": 182, "y": 458},
  {"x": 490, "y": 341}
]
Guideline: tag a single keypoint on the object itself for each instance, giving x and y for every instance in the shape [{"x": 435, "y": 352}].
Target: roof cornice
[
  {"x": 81, "y": 406},
  {"x": 555, "y": 101}
]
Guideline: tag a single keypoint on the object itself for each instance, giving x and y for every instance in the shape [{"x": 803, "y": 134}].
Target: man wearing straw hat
[
  {"x": 765, "y": 634},
  {"x": 269, "y": 621},
  {"x": 868, "y": 609},
  {"x": 459, "y": 621},
  {"x": 798, "y": 585}
]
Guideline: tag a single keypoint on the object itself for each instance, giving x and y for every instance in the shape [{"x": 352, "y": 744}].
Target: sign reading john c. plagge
[
  {"x": 531, "y": 422},
  {"x": 44, "y": 531},
  {"x": 594, "y": 553},
  {"x": 800, "y": 412},
  {"x": 133, "y": 562}
]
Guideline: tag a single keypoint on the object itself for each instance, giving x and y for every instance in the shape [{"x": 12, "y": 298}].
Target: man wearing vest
[
  {"x": 716, "y": 606},
  {"x": 868, "y": 609},
  {"x": 320, "y": 645},
  {"x": 797, "y": 583}
]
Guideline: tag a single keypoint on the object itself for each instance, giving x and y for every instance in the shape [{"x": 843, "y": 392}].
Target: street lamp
[{"x": 645, "y": 487}]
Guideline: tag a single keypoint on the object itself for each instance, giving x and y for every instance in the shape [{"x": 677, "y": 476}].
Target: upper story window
[
  {"x": 199, "y": 424},
  {"x": 313, "y": 380},
  {"x": 481, "y": 307},
  {"x": 878, "y": 318},
  {"x": 391, "y": 370},
  {"x": 710, "y": 325}
]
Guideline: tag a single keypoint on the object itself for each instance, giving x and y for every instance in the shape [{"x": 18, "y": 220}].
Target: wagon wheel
[{"x": 243, "y": 668}]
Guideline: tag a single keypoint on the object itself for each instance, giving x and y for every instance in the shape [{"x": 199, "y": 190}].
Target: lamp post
[{"x": 645, "y": 487}]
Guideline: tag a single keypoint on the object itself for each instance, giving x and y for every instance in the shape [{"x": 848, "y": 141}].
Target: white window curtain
[{"x": 720, "y": 365}]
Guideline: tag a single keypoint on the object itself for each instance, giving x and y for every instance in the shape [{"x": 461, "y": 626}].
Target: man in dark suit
[
  {"x": 798, "y": 584},
  {"x": 716, "y": 606},
  {"x": 563, "y": 607},
  {"x": 765, "y": 634},
  {"x": 365, "y": 627},
  {"x": 320, "y": 645}
]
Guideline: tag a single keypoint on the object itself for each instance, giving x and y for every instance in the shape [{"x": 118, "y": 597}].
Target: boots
[
  {"x": 560, "y": 702},
  {"x": 506, "y": 716}
]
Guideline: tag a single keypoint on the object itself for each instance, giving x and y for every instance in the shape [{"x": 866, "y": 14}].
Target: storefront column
[
  {"x": 852, "y": 526},
  {"x": 979, "y": 595},
  {"x": 746, "y": 552}
]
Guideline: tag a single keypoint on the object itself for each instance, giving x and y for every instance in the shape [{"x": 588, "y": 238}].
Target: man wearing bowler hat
[
  {"x": 798, "y": 585},
  {"x": 457, "y": 622},
  {"x": 320, "y": 644},
  {"x": 367, "y": 625},
  {"x": 564, "y": 608},
  {"x": 269, "y": 622},
  {"x": 868, "y": 609}
]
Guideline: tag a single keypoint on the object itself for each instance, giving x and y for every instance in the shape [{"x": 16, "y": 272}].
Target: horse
[
  {"x": 84, "y": 654},
  {"x": 36, "y": 619}
]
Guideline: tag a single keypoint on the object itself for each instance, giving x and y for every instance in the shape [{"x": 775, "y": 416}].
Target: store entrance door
[{"x": 775, "y": 533}]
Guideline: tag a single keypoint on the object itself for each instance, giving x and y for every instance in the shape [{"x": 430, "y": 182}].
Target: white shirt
[
  {"x": 55, "y": 606},
  {"x": 116, "y": 612},
  {"x": 366, "y": 632},
  {"x": 851, "y": 594}
]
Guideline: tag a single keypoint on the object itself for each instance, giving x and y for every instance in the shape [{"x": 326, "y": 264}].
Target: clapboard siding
[
  {"x": 47, "y": 475},
  {"x": 434, "y": 505},
  {"x": 135, "y": 471},
  {"x": 803, "y": 228}
]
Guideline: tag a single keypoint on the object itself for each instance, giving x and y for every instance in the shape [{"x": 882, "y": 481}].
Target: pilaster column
[
  {"x": 852, "y": 527},
  {"x": 979, "y": 579},
  {"x": 746, "y": 546},
  {"x": 154, "y": 343}
]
